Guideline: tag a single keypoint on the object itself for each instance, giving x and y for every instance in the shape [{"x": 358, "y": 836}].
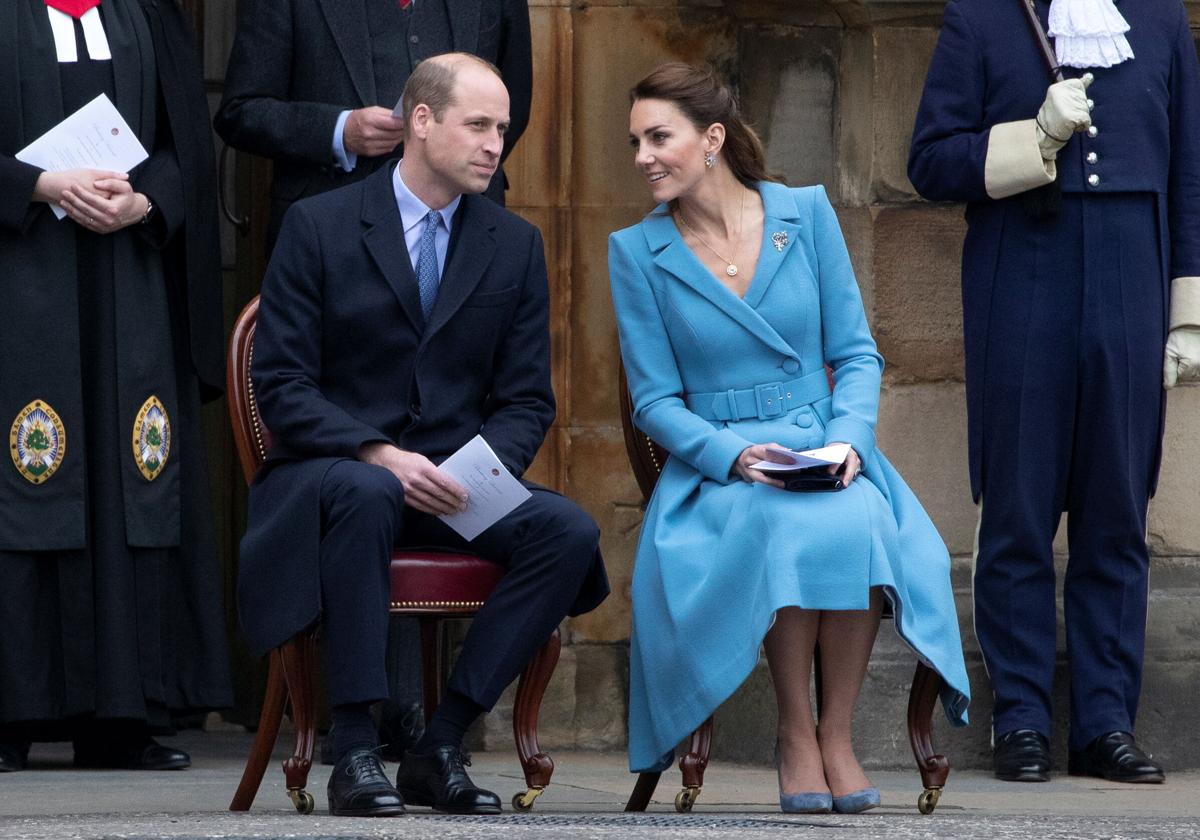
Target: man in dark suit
[
  {"x": 400, "y": 317},
  {"x": 311, "y": 83},
  {"x": 1077, "y": 311}
]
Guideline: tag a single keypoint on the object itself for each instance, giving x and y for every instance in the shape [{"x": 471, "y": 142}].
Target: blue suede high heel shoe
[
  {"x": 856, "y": 802},
  {"x": 801, "y": 803}
]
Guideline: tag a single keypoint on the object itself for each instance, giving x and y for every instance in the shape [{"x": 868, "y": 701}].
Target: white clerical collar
[
  {"x": 1088, "y": 33},
  {"x": 93, "y": 35}
]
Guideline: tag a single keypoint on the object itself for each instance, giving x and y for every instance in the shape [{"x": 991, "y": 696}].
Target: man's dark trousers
[
  {"x": 547, "y": 545},
  {"x": 1071, "y": 411}
]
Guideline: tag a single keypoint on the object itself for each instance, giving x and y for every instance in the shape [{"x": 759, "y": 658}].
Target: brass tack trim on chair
[
  {"x": 257, "y": 421},
  {"x": 400, "y": 605},
  {"x": 653, "y": 457}
]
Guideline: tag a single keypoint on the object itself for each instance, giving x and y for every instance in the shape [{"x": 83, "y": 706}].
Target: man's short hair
[{"x": 432, "y": 82}]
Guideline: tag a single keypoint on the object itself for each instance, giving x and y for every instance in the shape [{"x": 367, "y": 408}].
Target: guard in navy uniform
[{"x": 1069, "y": 300}]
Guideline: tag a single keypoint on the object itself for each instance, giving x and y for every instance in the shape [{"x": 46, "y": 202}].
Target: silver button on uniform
[
  {"x": 1093, "y": 158},
  {"x": 1094, "y": 179},
  {"x": 1092, "y": 131}
]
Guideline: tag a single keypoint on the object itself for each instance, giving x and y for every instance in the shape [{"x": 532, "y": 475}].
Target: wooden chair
[
  {"x": 647, "y": 459},
  {"x": 431, "y": 585}
]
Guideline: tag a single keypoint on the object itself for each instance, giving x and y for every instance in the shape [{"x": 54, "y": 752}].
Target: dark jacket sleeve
[
  {"x": 516, "y": 67},
  {"x": 521, "y": 405},
  {"x": 1183, "y": 200},
  {"x": 161, "y": 180},
  {"x": 257, "y": 113},
  {"x": 286, "y": 370},
  {"x": 17, "y": 180},
  {"x": 950, "y": 140}
]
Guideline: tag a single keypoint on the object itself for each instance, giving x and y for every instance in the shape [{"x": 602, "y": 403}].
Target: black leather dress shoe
[
  {"x": 439, "y": 779},
  {"x": 134, "y": 754},
  {"x": 13, "y": 756},
  {"x": 400, "y": 727},
  {"x": 1022, "y": 755},
  {"x": 1116, "y": 757},
  {"x": 358, "y": 787}
]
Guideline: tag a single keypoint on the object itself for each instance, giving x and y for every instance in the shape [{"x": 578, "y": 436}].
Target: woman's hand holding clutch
[
  {"x": 848, "y": 469},
  {"x": 752, "y": 455}
]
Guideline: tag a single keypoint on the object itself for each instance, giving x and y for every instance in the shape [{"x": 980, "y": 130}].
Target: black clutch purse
[{"x": 811, "y": 480}]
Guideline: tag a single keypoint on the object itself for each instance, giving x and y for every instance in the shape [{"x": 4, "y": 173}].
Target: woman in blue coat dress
[{"x": 731, "y": 298}]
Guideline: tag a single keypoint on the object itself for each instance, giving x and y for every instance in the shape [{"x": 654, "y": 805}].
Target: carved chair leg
[
  {"x": 934, "y": 768},
  {"x": 693, "y": 764},
  {"x": 537, "y": 766},
  {"x": 431, "y": 664},
  {"x": 264, "y": 739},
  {"x": 299, "y": 666}
]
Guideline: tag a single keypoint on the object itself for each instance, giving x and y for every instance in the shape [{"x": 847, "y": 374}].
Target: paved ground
[{"x": 53, "y": 801}]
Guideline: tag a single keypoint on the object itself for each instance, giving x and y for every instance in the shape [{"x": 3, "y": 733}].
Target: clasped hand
[
  {"x": 426, "y": 488},
  {"x": 102, "y": 202},
  {"x": 849, "y": 469}
]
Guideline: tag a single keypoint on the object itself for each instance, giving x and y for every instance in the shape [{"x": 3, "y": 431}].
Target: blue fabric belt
[{"x": 766, "y": 401}]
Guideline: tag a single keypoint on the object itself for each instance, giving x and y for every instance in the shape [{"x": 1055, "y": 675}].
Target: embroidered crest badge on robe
[
  {"x": 37, "y": 442},
  {"x": 151, "y": 438}
]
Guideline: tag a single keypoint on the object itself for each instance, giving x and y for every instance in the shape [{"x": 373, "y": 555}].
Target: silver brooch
[{"x": 780, "y": 238}]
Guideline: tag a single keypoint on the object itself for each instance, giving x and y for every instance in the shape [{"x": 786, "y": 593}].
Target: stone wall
[{"x": 832, "y": 86}]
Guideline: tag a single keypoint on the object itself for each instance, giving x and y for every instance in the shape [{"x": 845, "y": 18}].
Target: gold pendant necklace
[{"x": 731, "y": 268}]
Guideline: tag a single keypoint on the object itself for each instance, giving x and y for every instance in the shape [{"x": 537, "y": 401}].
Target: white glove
[
  {"x": 1182, "y": 360},
  {"x": 1065, "y": 111}
]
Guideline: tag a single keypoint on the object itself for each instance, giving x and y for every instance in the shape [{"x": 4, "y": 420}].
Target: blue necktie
[{"x": 427, "y": 264}]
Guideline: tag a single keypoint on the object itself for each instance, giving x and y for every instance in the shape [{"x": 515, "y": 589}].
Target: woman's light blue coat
[{"x": 717, "y": 556}]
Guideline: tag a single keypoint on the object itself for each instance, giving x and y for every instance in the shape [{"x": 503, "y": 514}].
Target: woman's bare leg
[
  {"x": 846, "y": 638},
  {"x": 789, "y": 647}
]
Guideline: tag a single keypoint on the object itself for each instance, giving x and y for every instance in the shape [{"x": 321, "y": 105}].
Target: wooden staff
[{"x": 1043, "y": 41}]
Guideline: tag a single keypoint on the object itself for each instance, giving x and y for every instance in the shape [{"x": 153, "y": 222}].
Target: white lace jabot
[{"x": 1088, "y": 33}]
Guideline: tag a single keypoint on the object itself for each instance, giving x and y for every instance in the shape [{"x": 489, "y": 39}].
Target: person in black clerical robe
[{"x": 110, "y": 609}]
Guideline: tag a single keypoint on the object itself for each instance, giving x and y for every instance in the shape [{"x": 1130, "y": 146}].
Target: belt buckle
[{"x": 768, "y": 399}]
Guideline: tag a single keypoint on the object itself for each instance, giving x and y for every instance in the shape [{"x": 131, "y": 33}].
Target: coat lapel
[
  {"x": 472, "y": 246},
  {"x": 672, "y": 255},
  {"x": 781, "y": 230},
  {"x": 464, "y": 24},
  {"x": 347, "y": 21},
  {"x": 384, "y": 240}
]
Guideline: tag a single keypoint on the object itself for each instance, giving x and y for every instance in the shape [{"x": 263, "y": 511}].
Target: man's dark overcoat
[
  {"x": 297, "y": 64},
  {"x": 343, "y": 357}
]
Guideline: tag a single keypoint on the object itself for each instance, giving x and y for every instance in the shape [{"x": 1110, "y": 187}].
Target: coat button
[
  {"x": 790, "y": 365},
  {"x": 1094, "y": 179},
  {"x": 814, "y": 442},
  {"x": 804, "y": 419},
  {"x": 413, "y": 39},
  {"x": 1093, "y": 158},
  {"x": 1092, "y": 131}
]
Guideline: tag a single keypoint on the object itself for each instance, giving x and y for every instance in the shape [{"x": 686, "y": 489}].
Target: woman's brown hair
[{"x": 704, "y": 99}]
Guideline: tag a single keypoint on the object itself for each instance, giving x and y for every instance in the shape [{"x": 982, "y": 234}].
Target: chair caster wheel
[
  {"x": 303, "y": 800},
  {"x": 928, "y": 800},
  {"x": 522, "y": 803},
  {"x": 685, "y": 799}
]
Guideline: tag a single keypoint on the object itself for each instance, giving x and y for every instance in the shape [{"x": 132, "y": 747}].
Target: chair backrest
[
  {"x": 251, "y": 437},
  {"x": 645, "y": 456}
]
